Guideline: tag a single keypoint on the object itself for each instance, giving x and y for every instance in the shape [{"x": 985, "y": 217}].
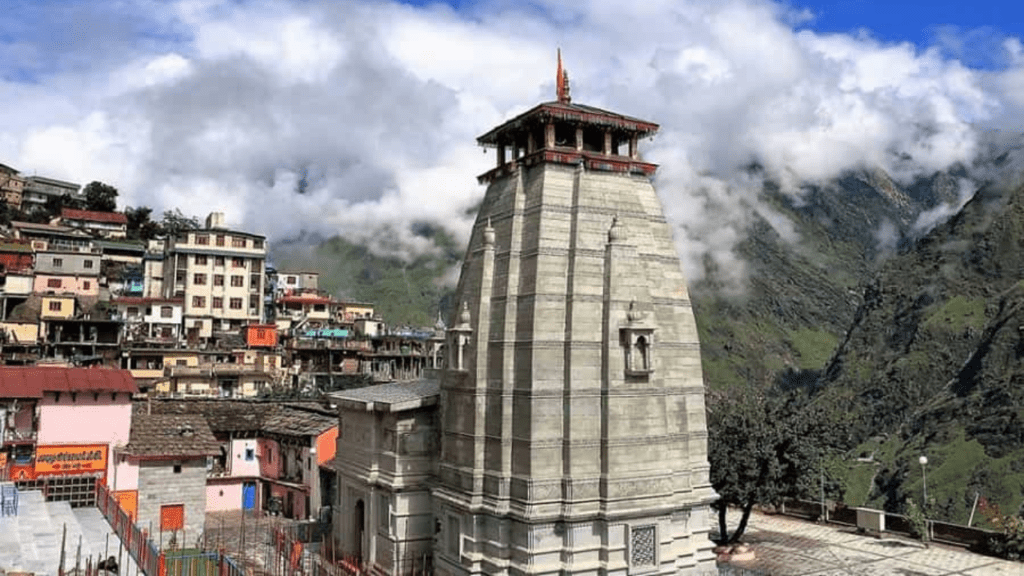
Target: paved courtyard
[{"x": 790, "y": 547}]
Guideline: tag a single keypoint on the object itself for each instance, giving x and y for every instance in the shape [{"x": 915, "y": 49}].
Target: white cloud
[{"x": 379, "y": 105}]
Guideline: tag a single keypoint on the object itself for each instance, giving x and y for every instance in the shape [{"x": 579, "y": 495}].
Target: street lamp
[{"x": 924, "y": 478}]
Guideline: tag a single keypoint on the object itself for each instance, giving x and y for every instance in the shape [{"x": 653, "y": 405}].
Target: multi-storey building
[
  {"x": 58, "y": 426},
  {"x": 68, "y": 271},
  {"x": 103, "y": 224},
  {"x": 12, "y": 186},
  {"x": 218, "y": 272},
  {"x": 38, "y": 189}
]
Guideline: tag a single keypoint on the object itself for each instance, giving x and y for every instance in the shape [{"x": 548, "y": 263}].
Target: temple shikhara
[{"x": 566, "y": 433}]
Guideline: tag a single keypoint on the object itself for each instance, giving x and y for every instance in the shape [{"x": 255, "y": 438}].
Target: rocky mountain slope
[{"x": 931, "y": 364}]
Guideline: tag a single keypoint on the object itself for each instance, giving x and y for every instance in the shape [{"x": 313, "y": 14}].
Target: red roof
[
  {"x": 32, "y": 381},
  {"x": 92, "y": 216}
]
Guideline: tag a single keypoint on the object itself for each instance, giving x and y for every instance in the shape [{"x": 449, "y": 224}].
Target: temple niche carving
[{"x": 638, "y": 342}]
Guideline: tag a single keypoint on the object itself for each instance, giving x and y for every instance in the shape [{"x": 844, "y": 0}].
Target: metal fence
[{"x": 151, "y": 560}]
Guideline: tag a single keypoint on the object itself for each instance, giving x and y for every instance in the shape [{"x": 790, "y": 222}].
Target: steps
[{"x": 31, "y": 541}]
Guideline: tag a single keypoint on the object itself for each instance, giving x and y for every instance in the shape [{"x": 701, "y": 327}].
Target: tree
[
  {"x": 100, "y": 197},
  {"x": 174, "y": 222},
  {"x": 765, "y": 448},
  {"x": 140, "y": 224}
]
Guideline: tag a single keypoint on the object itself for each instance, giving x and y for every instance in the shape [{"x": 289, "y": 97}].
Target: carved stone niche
[{"x": 637, "y": 339}]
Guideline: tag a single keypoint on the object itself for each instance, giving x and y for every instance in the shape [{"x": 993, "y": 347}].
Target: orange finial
[{"x": 562, "y": 81}]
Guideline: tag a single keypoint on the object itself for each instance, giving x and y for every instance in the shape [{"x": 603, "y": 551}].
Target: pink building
[
  {"x": 59, "y": 427},
  {"x": 66, "y": 284}
]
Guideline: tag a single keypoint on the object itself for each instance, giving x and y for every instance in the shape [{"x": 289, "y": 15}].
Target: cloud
[{"x": 223, "y": 105}]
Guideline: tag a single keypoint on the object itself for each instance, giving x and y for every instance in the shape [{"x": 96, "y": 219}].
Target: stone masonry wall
[{"x": 159, "y": 486}]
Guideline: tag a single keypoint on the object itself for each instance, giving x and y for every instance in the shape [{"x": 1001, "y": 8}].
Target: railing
[{"x": 151, "y": 560}]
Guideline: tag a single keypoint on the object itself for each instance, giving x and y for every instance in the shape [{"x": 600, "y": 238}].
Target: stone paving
[{"x": 787, "y": 546}]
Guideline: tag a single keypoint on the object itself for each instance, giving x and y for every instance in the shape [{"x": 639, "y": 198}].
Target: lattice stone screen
[{"x": 642, "y": 546}]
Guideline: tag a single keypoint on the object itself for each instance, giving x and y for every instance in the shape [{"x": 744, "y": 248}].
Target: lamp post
[{"x": 924, "y": 479}]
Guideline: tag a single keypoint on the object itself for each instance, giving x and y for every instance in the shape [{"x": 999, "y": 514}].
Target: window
[
  {"x": 261, "y": 333},
  {"x": 58, "y": 262},
  {"x": 258, "y": 244},
  {"x": 86, "y": 285},
  {"x": 236, "y": 303},
  {"x": 199, "y": 279},
  {"x": 133, "y": 311},
  {"x": 166, "y": 312},
  {"x": 172, "y": 517},
  {"x": 87, "y": 263},
  {"x": 177, "y": 468},
  {"x": 254, "y": 302},
  {"x": 203, "y": 239},
  {"x": 250, "y": 454},
  {"x": 181, "y": 362},
  {"x": 220, "y": 239},
  {"x": 55, "y": 306},
  {"x": 254, "y": 281},
  {"x": 199, "y": 301},
  {"x": 218, "y": 279},
  {"x": 257, "y": 265},
  {"x": 237, "y": 242},
  {"x": 218, "y": 302},
  {"x": 291, "y": 280},
  {"x": 218, "y": 261},
  {"x": 53, "y": 283},
  {"x": 201, "y": 259},
  {"x": 237, "y": 281},
  {"x": 238, "y": 262}
]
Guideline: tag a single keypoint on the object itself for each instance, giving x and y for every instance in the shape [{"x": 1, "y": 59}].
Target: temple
[{"x": 569, "y": 417}]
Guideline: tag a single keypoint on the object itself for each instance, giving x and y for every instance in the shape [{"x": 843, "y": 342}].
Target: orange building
[{"x": 261, "y": 335}]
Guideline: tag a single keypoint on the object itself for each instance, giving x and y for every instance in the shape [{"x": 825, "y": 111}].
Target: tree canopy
[
  {"x": 100, "y": 197},
  {"x": 764, "y": 448}
]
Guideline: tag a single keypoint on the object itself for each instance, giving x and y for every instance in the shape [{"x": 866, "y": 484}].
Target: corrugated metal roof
[
  {"x": 93, "y": 216},
  {"x": 32, "y": 381}
]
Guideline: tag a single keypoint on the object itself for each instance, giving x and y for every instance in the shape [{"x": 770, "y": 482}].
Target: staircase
[{"x": 31, "y": 540}]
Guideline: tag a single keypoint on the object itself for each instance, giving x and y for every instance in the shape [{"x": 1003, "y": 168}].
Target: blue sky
[{"x": 224, "y": 104}]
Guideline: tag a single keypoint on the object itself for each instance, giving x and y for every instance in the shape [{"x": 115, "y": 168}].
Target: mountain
[
  {"x": 405, "y": 289},
  {"x": 931, "y": 364},
  {"x": 800, "y": 296}
]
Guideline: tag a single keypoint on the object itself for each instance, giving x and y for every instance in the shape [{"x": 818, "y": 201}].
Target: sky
[{"x": 227, "y": 105}]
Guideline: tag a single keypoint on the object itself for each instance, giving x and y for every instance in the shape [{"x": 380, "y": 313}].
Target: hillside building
[{"x": 218, "y": 272}]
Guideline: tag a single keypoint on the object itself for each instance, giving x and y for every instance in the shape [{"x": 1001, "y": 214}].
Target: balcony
[{"x": 15, "y": 436}]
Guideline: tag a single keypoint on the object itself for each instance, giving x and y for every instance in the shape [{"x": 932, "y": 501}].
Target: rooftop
[
  {"x": 787, "y": 546},
  {"x": 93, "y": 216},
  {"x": 290, "y": 418},
  {"x": 391, "y": 397},
  {"x": 32, "y": 382},
  {"x": 160, "y": 435},
  {"x": 568, "y": 112}
]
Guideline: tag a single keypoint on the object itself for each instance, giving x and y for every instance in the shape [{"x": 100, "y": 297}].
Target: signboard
[{"x": 71, "y": 459}]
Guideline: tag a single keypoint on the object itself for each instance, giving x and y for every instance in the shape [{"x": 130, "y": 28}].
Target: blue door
[{"x": 249, "y": 496}]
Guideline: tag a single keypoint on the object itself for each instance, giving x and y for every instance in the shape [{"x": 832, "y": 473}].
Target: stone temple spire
[{"x": 572, "y": 418}]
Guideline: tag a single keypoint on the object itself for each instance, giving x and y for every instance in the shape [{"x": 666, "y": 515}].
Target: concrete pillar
[
  {"x": 549, "y": 135},
  {"x": 579, "y": 139},
  {"x": 607, "y": 142},
  {"x": 501, "y": 154}
]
